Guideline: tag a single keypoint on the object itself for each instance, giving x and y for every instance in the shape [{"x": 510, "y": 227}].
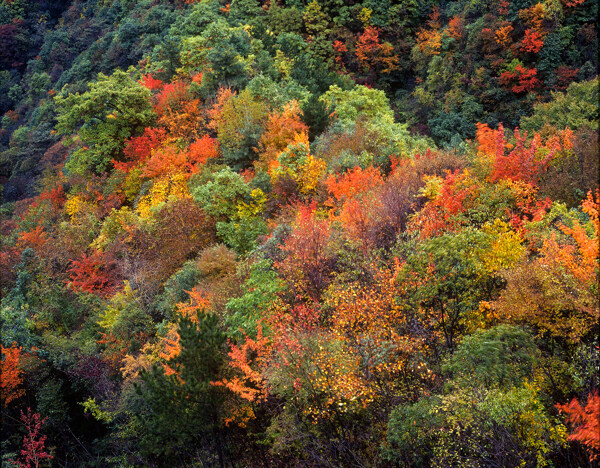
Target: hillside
[{"x": 299, "y": 233}]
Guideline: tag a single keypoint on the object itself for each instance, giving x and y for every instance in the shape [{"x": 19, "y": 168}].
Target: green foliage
[
  {"x": 503, "y": 356},
  {"x": 457, "y": 280},
  {"x": 475, "y": 428},
  {"x": 115, "y": 108},
  {"x": 575, "y": 108},
  {"x": 259, "y": 291},
  {"x": 239, "y": 129},
  {"x": 185, "y": 400}
]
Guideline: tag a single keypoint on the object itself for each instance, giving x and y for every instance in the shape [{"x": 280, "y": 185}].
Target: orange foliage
[
  {"x": 581, "y": 258},
  {"x": 35, "y": 238},
  {"x": 139, "y": 149},
  {"x": 372, "y": 54},
  {"x": 177, "y": 111},
  {"x": 56, "y": 196},
  {"x": 340, "y": 49},
  {"x": 148, "y": 81},
  {"x": 490, "y": 142},
  {"x": 587, "y": 421},
  {"x": 307, "y": 262},
  {"x": 534, "y": 16},
  {"x": 572, "y": 3},
  {"x": 458, "y": 191},
  {"x": 456, "y": 27},
  {"x": 372, "y": 323},
  {"x": 216, "y": 112},
  {"x": 532, "y": 42},
  {"x": 198, "y": 302},
  {"x": 11, "y": 377},
  {"x": 200, "y": 151},
  {"x": 94, "y": 275},
  {"x": 114, "y": 348},
  {"x": 170, "y": 344},
  {"x": 503, "y": 35},
  {"x": 251, "y": 386},
  {"x": 282, "y": 129},
  {"x": 353, "y": 183},
  {"x": 524, "y": 163}
]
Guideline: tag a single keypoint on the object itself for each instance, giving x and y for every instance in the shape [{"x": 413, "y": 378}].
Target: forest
[{"x": 299, "y": 233}]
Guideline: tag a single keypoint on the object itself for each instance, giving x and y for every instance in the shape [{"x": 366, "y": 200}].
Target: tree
[
  {"x": 11, "y": 378},
  {"x": 281, "y": 129},
  {"x": 114, "y": 109},
  {"x": 372, "y": 55},
  {"x": 239, "y": 122},
  {"x": 186, "y": 399},
  {"x": 34, "y": 450},
  {"x": 308, "y": 263},
  {"x": 93, "y": 274},
  {"x": 586, "y": 420}
]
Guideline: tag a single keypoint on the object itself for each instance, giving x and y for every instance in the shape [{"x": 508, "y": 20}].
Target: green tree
[
  {"x": 575, "y": 108},
  {"x": 115, "y": 108},
  {"x": 183, "y": 410}
]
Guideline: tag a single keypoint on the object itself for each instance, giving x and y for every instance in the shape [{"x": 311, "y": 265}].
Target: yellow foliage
[
  {"x": 167, "y": 188},
  {"x": 506, "y": 248},
  {"x": 78, "y": 208}
]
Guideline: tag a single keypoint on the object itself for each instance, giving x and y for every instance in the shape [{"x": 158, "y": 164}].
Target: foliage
[
  {"x": 248, "y": 249},
  {"x": 115, "y": 108},
  {"x": 586, "y": 418}
]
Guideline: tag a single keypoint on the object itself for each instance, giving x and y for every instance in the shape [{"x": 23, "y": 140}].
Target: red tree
[
  {"x": 93, "y": 274},
  {"x": 11, "y": 377},
  {"x": 34, "y": 450},
  {"x": 587, "y": 422}
]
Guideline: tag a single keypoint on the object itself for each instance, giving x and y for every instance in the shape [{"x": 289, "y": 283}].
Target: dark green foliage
[
  {"x": 183, "y": 413},
  {"x": 502, "y": 356}
]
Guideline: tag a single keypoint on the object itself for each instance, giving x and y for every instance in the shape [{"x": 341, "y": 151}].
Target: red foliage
[
  {"x": 532, "y": 42},
  {"x": 282, "y": 129},
  {"x": 456, "y": 28},
  {"x": 353, "y": 183},
  {"x": 440, "y": 215},
  {"x": 150, "y": 82},
  {"x": 93, "y": 274},
  {"x": 523, "y": 163},
  {"x": 521, "y": 80},
  {"x": 340, "y": 49},
  {"x": 171, "y": 96},
  {"x": 34, "y": 450},
  {"x": 201, "y": 151},
  {"x": 564, "y": 76},
  {"x": 35, "y": 238},
  {"x": 307, "y": 263},
  {"x": 11, "y": 377},
  {"x": 55, "y": 196},
  {"x": 587, "y": 422},
  {"x": 139, "y": 149}
]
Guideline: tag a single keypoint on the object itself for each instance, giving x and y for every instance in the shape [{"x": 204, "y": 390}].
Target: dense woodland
[{"x": 283, "y": 233}]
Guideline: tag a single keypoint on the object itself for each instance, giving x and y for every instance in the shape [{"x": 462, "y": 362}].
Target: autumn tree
[
  {"x": 309, "y": 261},
  {"x": 34, "y": 444},
  {"x": 12, "y": 375},
  {"x": 586, "y": 420}
]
